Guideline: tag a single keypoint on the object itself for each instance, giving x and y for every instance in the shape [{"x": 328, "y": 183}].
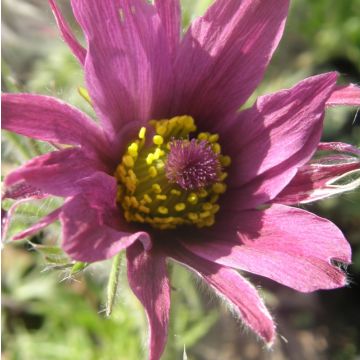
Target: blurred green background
[{"x": 49, "y": 315}]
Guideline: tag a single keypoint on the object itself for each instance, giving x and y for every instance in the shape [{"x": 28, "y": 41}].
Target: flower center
[{"x": 173, "y": 179}]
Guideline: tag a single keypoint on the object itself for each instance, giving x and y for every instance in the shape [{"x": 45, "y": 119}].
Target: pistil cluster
[{"x": 172, "y": 178}]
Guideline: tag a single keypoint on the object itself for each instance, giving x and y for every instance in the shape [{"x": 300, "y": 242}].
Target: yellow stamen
[{"x": 144, "y": 192}]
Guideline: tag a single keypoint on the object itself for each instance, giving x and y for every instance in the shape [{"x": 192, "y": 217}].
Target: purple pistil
[{"x": 192, "y": 164}]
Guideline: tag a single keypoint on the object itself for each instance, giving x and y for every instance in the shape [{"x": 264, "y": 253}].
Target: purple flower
[{"x": 174, "y": 170}]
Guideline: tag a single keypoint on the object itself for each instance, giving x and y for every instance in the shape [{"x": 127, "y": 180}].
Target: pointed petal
[
  {"x": 170, "y": 15},
  {"x": 316, "y": 180},
  {"x": 234, "y": 289},
  {"x": 57, "y": 173},
  {"x": 288, "y": 245},
  {"x": 224, "y": 55},
  {"x": 348, "y": 95},
  {"x": 48, "y": 119},
  {"x": 39, "y": 225},
  {"x": 87, "y": 237},
  {"x": 339, "y": 147},
  {"x": 149, "y": 281},
  {"x": 22, "y": 190},
  {"x": 280, "y": 133},
  {"x": 127, "y": 65},
  {"x": 93, "y": 228},
  {"x": 67, "y": 34}
]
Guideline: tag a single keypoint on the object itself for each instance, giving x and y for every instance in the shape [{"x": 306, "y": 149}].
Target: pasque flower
[{"x": 173, "y": 169}]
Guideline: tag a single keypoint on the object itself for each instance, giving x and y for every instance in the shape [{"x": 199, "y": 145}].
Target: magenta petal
[
  {"x": 22, "y": 190},
  {"x": 127, "y": 66},
  {"x": 288, "y": 245},
  {"x": 170, "y": 15},
  {"x": 48, "y": 119},
  {"x": 348, "y": 95},
  {"x": 339, "y": 147},
  {"x": 57, "y": 173},
  {"x": 66, "y": 33},
  {"x": 86, "y": 235},
  {"x": 148, "y": 279},
  {"x": 315, "y": 180},
  {"x": 279, "y": 134},
  {"x": 224, "y": 55},
  {"x": 7, "y": 215},
  {"x": 233, "y": 288},
  {"x": 39, "y": 225}
]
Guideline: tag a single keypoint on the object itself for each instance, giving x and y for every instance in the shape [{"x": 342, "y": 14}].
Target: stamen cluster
[{"x": 174, "y": 180}]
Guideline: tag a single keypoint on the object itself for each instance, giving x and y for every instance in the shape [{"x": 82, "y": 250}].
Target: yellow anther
[
  {"x": 134, "y": 201},
  {"x": 215, "y": 208},
  {"x": 127, "y": 200},
  {"x": 133, "y": 149},
  {"x": 189, "y": 123},
  {"x": 161, "y": 129},
  {"x": 128, "y": 161},
  {"x": 207, "y": 206},
  {"x": 156, "y": 188},
  {"x": 158, "y": 153},
  {"x": 158, "y": 140},
  {"x": 192, "y": 198},
  {"x": 144, "y": 209},
  {"x": 147, "y": 198},
  {"x": 205, "y": 214},
  {"x": 213, "y": 138},
  {"x": 210, "y": 221},
  {"x": 203, "y": 193},
  {"x": 223, "y": 176},
  {"x": 142, "y": 133},
  {"x": 225, "y": 160},
  {"x": 139, "y": 218},
  {"x": 127, "y": 216},
  {"x": 150, "y": 158},
  {"x": 216, "y": 148},
  {"x": 160, "y": 165},
  {"x": 132, "y": 176},
  {"x": 203, "y": 136},
  {"x": 121, "y": 170},
  {"x": 193, "y": 216},
  {"x": 214, "y": 199},
  {"x": 175, "y": 192},
  {"x": 161, "y": 197},
  {"x": 152, "y": 171},
  {"x": 180, "y": 207},
  {"x": 219, "y": 188},
  {"x": 163, "y": 210}
]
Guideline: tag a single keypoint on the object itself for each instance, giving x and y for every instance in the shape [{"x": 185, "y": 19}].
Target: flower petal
[
  {"x": 127, "y": 65},
  {"x": 315, "y": 180},
  {"x": 234, "y": 289},
  {"x": 66, "y": 33},
  {"x": 48, "y": 119},
  {"x": 22, "y": 190},
  {"x": 57, "y": 173},
  {"x": 339, "y": 147},
  {"x": 224, "y": 55},
  {"x": 149, "y": 281},
  {"x": 170, "y": 15},
  {"x": 93, "y": 228},
  {"x": 348, "y": 95},
  {"x": 39, "y": 225},
  {"x": 288, "y": 245},
  {"x": 278, "y": 134}
]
